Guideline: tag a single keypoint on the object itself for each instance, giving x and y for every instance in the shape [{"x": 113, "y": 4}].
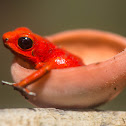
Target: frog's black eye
[{"x": 25, "y": 43}]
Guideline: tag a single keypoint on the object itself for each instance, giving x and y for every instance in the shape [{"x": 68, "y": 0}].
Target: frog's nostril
[{"x": 5, "y": 39}]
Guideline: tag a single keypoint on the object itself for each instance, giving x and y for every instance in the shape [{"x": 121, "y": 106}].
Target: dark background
[{"x": 51, "y": 16}]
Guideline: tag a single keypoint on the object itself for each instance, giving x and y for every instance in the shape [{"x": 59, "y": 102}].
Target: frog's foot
[{"x": 21, "y": 89}]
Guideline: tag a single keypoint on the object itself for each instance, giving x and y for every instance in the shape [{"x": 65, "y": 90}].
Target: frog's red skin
[{"x": 43, "y": 55}]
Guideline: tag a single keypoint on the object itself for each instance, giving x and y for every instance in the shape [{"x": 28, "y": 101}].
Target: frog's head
[{"x": 21, "y": 42}]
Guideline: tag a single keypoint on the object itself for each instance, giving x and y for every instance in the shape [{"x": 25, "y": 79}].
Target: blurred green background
[{"x": 50, "y": 16}]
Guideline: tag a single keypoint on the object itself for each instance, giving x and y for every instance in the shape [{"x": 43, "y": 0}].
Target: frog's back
[{"x": 64, "y": 59}]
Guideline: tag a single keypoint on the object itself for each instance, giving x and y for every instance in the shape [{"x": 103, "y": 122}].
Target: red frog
[{"x": 42, "y": 54}]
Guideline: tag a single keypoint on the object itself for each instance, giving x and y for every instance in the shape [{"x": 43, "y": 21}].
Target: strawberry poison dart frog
[{"x": 42, "y": 54}]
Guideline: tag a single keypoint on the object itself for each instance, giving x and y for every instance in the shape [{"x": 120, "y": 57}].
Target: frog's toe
[
  {"x": 24, "y": 91},
  {"x": 32, "y": 93},
  {"x": 7, "y": 83}
]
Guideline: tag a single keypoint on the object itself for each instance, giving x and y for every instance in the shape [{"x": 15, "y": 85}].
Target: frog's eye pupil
[{"x": 25, "y": 42}]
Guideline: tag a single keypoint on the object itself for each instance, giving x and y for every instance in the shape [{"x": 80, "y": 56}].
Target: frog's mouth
[
  {"x": 6, "y": 45},
  {"x": 9, "y": 45}
]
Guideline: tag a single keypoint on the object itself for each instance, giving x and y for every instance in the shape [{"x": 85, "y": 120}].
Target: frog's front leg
[
  {"x": 21, "y": 86},
  {"x": 21, "y": 89}
]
